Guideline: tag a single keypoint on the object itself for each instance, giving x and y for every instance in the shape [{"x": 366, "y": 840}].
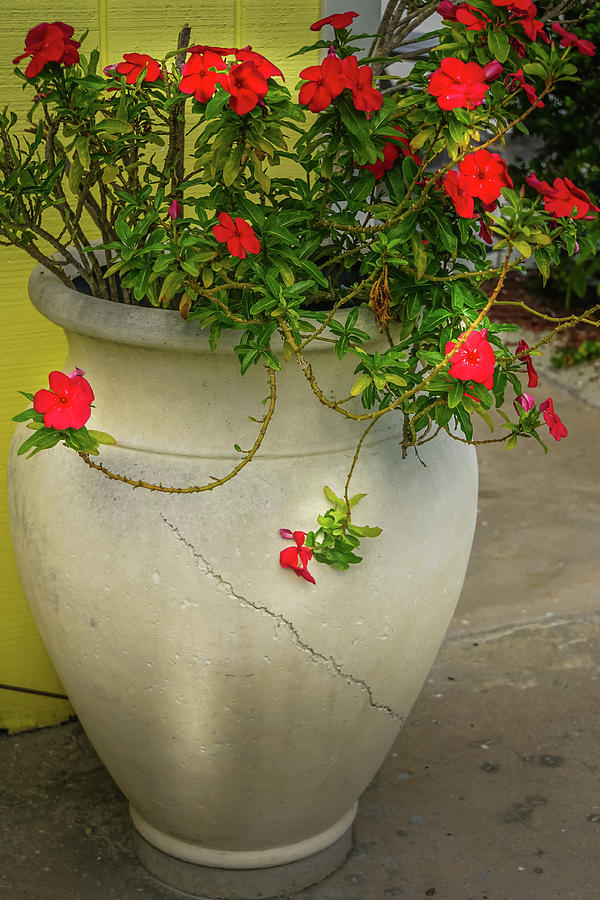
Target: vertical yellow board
[{"x": 32, "y": 346}]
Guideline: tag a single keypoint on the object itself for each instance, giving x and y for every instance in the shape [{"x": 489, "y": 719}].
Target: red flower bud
[{"x": 493, "y": 70}]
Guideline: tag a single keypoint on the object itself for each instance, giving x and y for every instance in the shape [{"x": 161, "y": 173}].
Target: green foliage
[
  {"x": 569, "y": 128},
  {"x": 81, "y": 440},
  {"x": 337, "y": 538},
  {"x": 586, "y": 351},
  {"x": 347, "y": 209}
]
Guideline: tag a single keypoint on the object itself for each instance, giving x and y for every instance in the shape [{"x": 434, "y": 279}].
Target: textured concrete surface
[{"x": 491, "y": 791}]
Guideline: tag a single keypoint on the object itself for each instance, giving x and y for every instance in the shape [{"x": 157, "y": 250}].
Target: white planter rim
[{"x": 138, "y": 326}]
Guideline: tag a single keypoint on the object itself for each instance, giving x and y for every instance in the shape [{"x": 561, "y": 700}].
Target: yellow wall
[{"x": 31, "y": 346}]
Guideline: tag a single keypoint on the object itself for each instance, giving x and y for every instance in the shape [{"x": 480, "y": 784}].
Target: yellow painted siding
[{"x": 31, "y": 346}]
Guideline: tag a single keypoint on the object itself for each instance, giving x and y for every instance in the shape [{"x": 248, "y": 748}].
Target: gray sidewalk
[{"x": 491, "y": 791}]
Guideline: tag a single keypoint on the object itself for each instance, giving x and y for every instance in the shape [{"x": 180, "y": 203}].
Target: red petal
[
  {"x": 236, "y": 247},
  {"x": 243, "y": 101},
  {"x": 288, "y": 558},
  {"x": 81, "y": 389},
  {"x": 59, "y": 383},
  {"x": 44, "y": 400},
  {"x": 304, "y": 573}
]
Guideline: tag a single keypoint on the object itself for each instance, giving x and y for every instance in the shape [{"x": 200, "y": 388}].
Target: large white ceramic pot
[{"x": 240, "y": 709}]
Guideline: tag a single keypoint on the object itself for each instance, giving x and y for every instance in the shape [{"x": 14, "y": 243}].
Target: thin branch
[{"x": 197, "y": 488}]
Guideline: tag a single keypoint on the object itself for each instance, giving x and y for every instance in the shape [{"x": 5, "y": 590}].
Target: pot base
[{"x": 213, "y": 883}]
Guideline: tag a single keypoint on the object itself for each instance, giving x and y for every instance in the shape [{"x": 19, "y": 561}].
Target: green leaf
[
  {"x": 524, "y": 248},
  {"x": 101, "y": 437},
  {"x": 366, "y": 530},
  {"x": 82, "y": 148},
  {"x": 498, "y": 45},
  {"x": 456, "y": 394},
  {"x": 419, "y": 255},
  {"x": 26, "y": 415},
  {"x": 360, "y": 384},
  {"x": 75, "y": 174},
  {"x": 232, "y": 166},
  {"x": 170, "y": 286},
  {"x": 112, "y": 126}
]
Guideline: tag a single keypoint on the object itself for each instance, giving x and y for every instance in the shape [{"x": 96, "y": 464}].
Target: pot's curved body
[{"x": 240, "y": 709}]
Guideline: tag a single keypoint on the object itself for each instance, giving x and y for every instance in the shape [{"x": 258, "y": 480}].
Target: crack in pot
[{"x": 333, "y": 666}]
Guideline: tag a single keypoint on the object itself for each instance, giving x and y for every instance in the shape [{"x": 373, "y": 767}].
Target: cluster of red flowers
[
  {"x": 481, "y": 175},
  {"x": 68, "y": 402},
  {"x": 475, "y": 361},
  {"x": 563, "y": 198},
  {"x": 526, "y": 402},
  {"x": 390, "y": 153},
  {"x": 458, "y": 84},
  {"x": 523, "y": 12},
  {"x": 298, "y": 557},
  {"x": 326, "y": 82},
  {"x": 49, "y": 43},
  {"x": 246, "y": 82}
]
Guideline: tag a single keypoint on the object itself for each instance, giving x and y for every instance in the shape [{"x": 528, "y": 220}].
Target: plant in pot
[{"x": 245, "y": 277}]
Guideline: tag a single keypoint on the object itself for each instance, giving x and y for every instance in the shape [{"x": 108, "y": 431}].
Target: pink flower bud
[
  {"x": 110, "y": 70},
  {"x": 174, "y": 210},
  {"x": 331, "y": 51},
  {"x": 493, "y": 70},
  {"x": 76, "y": 371},
  {"x": 286, "y": 534},
  {"x": 525, "y": 401}
]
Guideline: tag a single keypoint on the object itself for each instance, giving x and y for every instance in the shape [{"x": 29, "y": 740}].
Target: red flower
[
  {"x": 475, "y": 19},
  {"x": 323, "y": 84},
  {"x": 462, "y": 199},
  {"x": 484, "y": 174},
  {"x": 517, "y": 78},
  {"x": 264, "y": 66},
  {"x": 383, "y": 165},
  {"x": 521, "y": 352},
  {"x": 458, "y": 84},
  {"x": 531, "y": 26},
  {"x": 337, "y": 20},
  {"x": 557, "y": 429},
  {"x": 474, "y": 360},
  {"x": 360, "y": 81},
  {"x": 238, "y": 235},
  {"x": 391, "y": 151},
  {"x": 518, "y": 46},
  {"x": 568, "y": 39},
  {"x": 49, "y": 43},
  {"x": 563, "y": 197},
  {"x": 198, "y": 77},
  {"x": 67, "y": 403},
  {"x": 298, "y": 557},
  {"x": 514, "y": 4},
  {"x": 135, "y": 63},
  {"x": 247, "y": 85}
]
